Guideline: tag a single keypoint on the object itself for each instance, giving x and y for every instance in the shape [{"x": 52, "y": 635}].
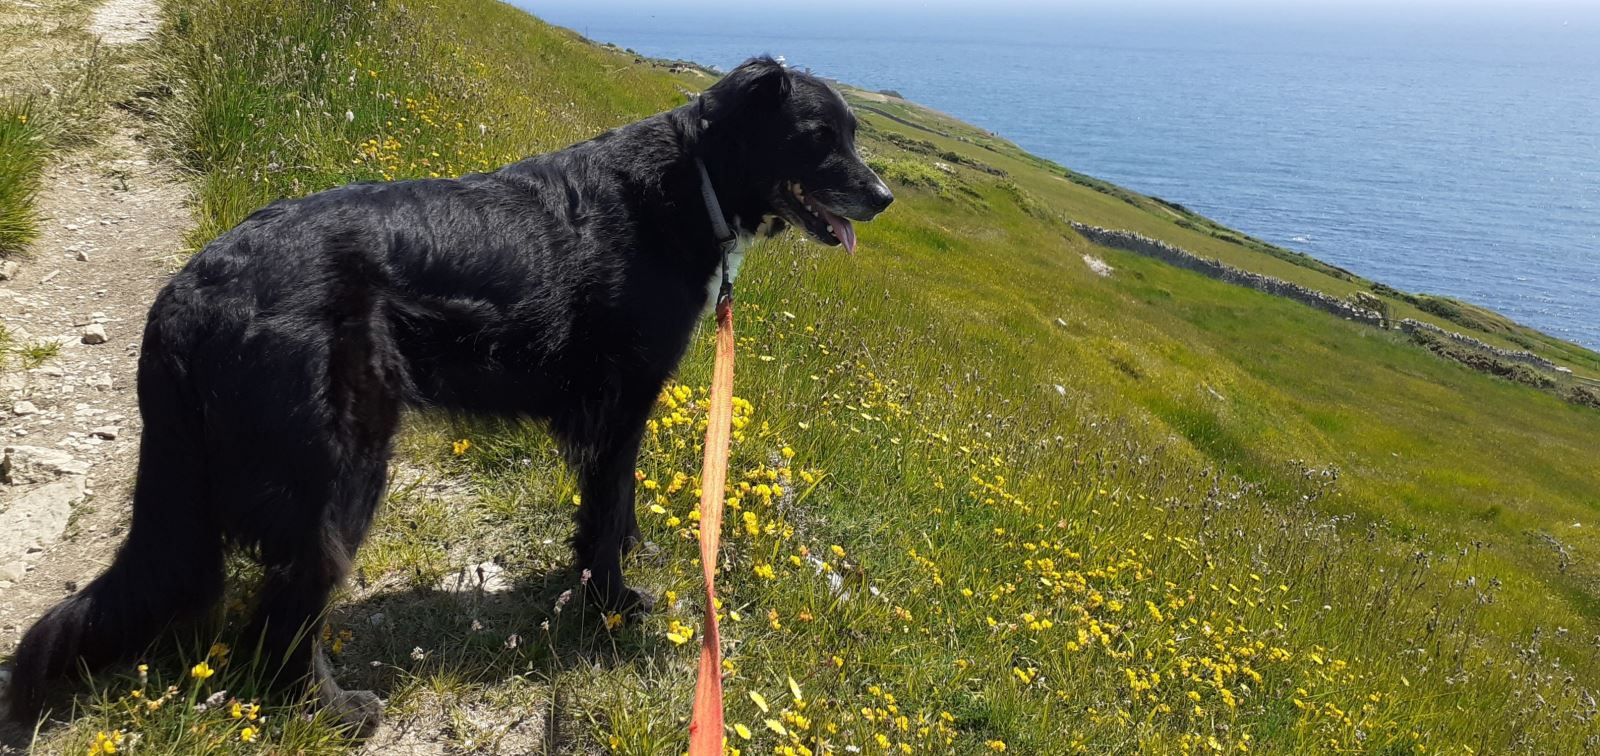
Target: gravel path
[{"x": 113, "y": 220}]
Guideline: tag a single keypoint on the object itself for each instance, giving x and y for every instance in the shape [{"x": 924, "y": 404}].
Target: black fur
[{"x": 562, "y": 288}]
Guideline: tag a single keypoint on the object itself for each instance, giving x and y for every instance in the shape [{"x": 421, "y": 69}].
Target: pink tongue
[{"x": 841, "y": 228}]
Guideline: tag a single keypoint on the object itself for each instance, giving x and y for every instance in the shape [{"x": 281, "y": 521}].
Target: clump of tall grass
[
  {"x": 23, "y": 150},
  {"x": 36, "y": 124}
]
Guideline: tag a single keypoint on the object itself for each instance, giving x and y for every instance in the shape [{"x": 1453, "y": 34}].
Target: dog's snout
[{"x": 879, "y": 196}]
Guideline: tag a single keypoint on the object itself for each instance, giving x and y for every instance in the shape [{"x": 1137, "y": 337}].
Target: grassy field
[{"x": 984, "y": 498}]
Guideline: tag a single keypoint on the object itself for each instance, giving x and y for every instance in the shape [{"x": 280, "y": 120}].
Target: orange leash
[{"x": 705, "y": 727}]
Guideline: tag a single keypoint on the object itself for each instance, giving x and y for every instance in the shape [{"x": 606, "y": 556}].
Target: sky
[
  {"x": 1575, "y": 17},
  {"x": 1580, "y": 7},
  {"x": 1400, "y": 24}
]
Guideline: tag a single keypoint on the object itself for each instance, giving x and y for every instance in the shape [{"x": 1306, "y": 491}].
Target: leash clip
[
  {"x": 726, "y": 240},
  {"x": 725, "y": 293}
]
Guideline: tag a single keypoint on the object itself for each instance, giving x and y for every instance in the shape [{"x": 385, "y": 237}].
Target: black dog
[{"x": 562, "y": 288}]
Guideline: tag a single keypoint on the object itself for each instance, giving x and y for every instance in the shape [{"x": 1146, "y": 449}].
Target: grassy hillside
[{"x": 985, "y": 498}]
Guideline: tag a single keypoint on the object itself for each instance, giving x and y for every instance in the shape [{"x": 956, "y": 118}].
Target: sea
[{"x": 1439, "y": 147}]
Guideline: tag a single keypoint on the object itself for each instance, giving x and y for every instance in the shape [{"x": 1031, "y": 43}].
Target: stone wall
[
  {"x": 1160, "y": 250},
  {"x": 1210, "y": 268},
  {"x": 1514, "y": 355}
]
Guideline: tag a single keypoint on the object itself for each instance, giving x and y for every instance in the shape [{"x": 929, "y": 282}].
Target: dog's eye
[{"x": 825, "y": 134}]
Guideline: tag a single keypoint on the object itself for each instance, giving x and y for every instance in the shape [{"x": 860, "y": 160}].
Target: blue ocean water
[{"x": 1451, "y": 152}]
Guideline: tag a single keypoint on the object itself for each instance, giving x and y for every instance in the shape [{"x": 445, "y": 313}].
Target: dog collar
[{"x": 719, "y": 226}]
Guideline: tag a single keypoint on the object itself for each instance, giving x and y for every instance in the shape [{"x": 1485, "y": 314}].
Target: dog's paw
[
  {"x": 358, "y": 711},
  {"x": 629, "y": 602},
  {"x": 647, "y": 552}
]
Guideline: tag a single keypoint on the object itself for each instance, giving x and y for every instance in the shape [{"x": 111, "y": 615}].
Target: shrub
[
  {"x": 1450, "y": 310},
  {"x": 1587, "y": 396},
  {"x": 909, "y": 173}
]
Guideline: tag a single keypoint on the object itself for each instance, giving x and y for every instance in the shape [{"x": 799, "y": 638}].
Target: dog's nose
[{"x": 878, "y": 195}]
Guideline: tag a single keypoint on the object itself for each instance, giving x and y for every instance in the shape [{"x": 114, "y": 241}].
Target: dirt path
[{"x": 112, "y": 219}]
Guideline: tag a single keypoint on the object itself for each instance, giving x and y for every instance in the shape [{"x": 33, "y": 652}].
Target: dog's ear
[{"x": 758, "y": 83}]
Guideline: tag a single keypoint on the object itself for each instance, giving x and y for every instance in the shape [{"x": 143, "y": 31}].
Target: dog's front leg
[{"x": 606, "y": 521}]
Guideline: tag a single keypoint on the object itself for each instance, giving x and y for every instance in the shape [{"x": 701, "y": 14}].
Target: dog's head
[{"x": 783, "y": 144}]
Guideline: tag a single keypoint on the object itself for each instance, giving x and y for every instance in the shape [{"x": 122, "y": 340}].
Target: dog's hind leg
[
  {"x": 169, "y": 569},
  {"x": 332, "y": 473},
  {"x": 604, "y": 452},
  {"x": 304, "y": 564},
  {"x": 299, "y": 580}
]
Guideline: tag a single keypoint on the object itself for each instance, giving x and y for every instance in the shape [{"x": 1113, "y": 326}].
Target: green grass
[
  {"x": 982, "y": 496},
  {"x": 22, "y": 151},
  {"x": 15, "y": 355}
]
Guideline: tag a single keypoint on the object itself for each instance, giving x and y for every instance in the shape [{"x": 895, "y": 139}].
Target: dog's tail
[{"x": 169, "y": 568}]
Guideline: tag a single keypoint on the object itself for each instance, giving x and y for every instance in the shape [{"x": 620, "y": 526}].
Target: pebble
[
  {"x": 95, "y": 334},
  {"x": 8, "y": 270},
  {"x": 24, "y": 408},
  {"x": 107, "y": 432}
]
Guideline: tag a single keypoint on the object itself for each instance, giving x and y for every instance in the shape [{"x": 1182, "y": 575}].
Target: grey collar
[{"x": 719, "y": 226}]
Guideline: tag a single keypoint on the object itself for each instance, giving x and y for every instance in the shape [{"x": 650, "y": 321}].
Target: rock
[
  {"x": 54, "y": 371},
  {"x": 95, "y": 334},
  {"x": 81, "y": 256},
  {"x": 1098, "y": 265},
  {"x": 24, "y": 408},
  {"x": 102, "y": 381},
  {"x": 38, "y": 518},
  {"x": 37, "y": 464},
  {"x": 8, "y": 270},
  {"x": 487, "y": 577},
  {"x": 376, "y": 620},
  {"x": 107, "y": 432},
  {"x": 13, "y": 571}
]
